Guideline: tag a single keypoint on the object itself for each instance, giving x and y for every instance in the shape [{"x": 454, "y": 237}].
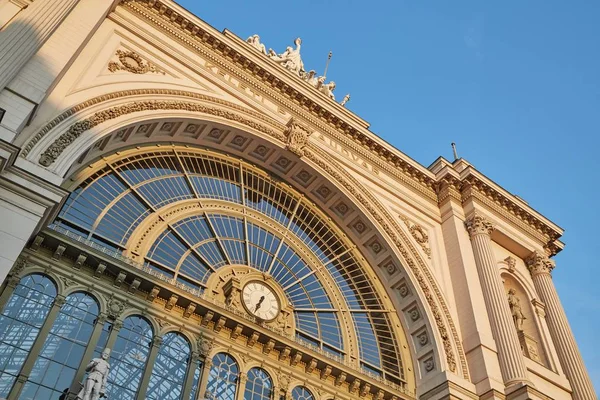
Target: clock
[{"x": 260, "y": 300}]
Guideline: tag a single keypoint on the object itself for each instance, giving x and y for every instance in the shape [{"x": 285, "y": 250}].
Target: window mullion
[{"x": 59, "y": 301}]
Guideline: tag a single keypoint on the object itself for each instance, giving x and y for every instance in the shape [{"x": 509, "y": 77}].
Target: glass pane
[
  {"x": 301, "y": 393},
  {"x": 63, "y": 349},
  {"x": 128, "y": 358},
  {"x": 169, "y": 370},
  {"x": 20, "y": 322},
  {"x": 223, "y": 378},
  {"x": 259, "y": 385}
]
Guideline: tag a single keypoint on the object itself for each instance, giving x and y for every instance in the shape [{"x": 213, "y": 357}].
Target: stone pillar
[
  {"x": 204, "y": 378},
  {"x": 156, "y": 342},
  {"x": 114, "y": 333},
  {"x": 26, "y": 34},
  {"x": 241, "y": 386},
  {"x": 568, "y": 353},
  {"x": 59, "y": 301},
  {"x": 189, "y": 377},
  {"x": 510, "y": 357}
]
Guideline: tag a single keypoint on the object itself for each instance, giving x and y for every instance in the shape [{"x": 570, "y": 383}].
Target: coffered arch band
[{"x": 426, "y": 289}]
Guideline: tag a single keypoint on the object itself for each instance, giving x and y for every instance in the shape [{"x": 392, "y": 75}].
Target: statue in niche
[
  {"x": 515, "y": 308},
  {"x": 254, "y": 41},
  {"x": 290, "y": 59},
  {"x": 95, "y": 383}
]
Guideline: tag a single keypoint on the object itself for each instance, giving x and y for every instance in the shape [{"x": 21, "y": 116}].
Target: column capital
[
  {"x": 477, "y": 224},
  {"x": 539, "y": 263}
]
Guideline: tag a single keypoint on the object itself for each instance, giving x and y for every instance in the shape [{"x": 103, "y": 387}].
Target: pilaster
[
  {"x": 569, "y": 356},
  {"x": 510, "y": 357},
  {"x": 475, "y": 328},
  {"x": 204, "y": 378},
  {"x": 193, "y": 365}
]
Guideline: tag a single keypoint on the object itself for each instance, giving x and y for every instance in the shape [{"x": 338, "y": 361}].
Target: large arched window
[
  {"x": 20, "y": 323},
  {"x": 63, "y": 349},
  {"x": 259, "y": 385},
  {"x": 223, "y": 378},
  {"x": 168, "y": 373},
  {"x": 246, "y": 217},
  {"x": 301, "y": 393},
  {"x": 128, "y": 358}
]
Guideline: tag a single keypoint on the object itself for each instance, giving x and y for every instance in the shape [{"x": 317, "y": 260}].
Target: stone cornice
[
  {"x": 470, "y": 184},
  {"x": 309, "y": 105},
  {"x": 293, "y": 93}
]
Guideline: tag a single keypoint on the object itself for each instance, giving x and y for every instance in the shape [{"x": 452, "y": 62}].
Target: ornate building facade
[{"x": 206, "y": 210}]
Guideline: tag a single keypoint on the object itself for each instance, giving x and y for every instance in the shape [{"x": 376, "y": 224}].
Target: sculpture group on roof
[{"x": 291, "y": 60}]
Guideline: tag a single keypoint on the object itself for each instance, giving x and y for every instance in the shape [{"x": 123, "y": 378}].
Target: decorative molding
[
  {"x": 55, "y": 149},
  {"x": 297, "y": 136},
  {"x": 364, "y": 143},
  {"x": 273, "y": 126},
  {"x": 420, "y": 270},
  {"x": 479, "y": 225},
  {"x": 131, "y": 61},
  {"x": 539, "y": 263},
  {"x": 419, "y": 234}
]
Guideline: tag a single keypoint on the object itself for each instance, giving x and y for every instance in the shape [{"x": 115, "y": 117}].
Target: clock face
[{"x": 260, "y": 300}]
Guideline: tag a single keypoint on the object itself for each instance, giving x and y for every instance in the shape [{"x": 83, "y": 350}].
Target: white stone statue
[
  {"x": 345, "y": 100},
  {"x": 290, "y": 59},
  {"x": 95, "y": 384},
  {"x": 254, "y": 41},
  {"x": 328, "y": 89},
  {"x": 515, "y": 308},
  {"x": 311, "y": 78}
]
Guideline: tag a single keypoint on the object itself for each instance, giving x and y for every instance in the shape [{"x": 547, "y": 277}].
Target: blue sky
[{"x": 515, "y": 84}]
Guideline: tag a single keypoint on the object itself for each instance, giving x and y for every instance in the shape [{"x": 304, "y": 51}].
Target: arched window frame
[
  {"x": 63, "y": 348},
  {"x": 122, "y": 356},
  {"x": 22, "y": 293},
  {"x": 260, "y": 391},
  {"x": 302, "y": 393},
  {"x": 176, "y": 391},
  {"x": 215, "y": 382}
]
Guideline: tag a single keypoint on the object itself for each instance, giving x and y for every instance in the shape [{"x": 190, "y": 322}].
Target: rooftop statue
[
  {"x": 290, "y": 59},
  {"x": 345, "y": 100},
  {"x": 327, "y": 88},
  {"x": 254, "y": 41}
]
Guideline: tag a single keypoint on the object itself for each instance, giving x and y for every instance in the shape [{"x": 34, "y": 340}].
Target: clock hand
[{"x": 262, "y": 298}]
